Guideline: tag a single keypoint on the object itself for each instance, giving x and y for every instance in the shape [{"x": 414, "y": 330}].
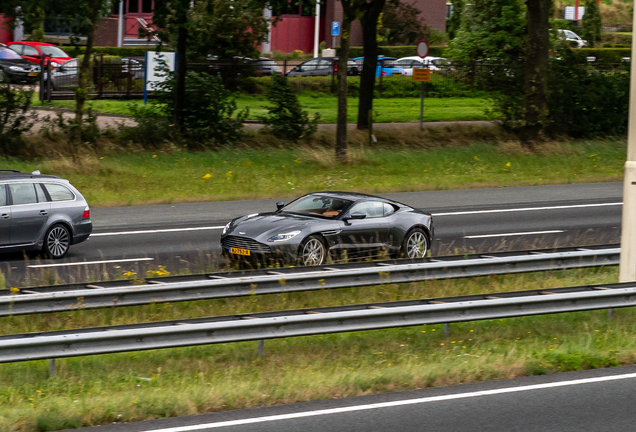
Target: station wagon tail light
[{"x": 87, "y": 213}]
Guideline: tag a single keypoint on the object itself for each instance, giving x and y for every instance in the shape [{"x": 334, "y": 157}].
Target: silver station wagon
[{"x": 41, "y": 212}]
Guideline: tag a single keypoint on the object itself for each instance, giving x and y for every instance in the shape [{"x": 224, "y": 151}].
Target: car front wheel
[
  {"x": 312, "y": 252},
  {"x": 57, "y": 241},
  {"x": 415, "y": 244}
]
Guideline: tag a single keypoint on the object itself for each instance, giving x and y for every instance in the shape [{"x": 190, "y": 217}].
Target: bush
[
  {"x": 398, "y": 51},
  {"x": 286, "y": 119},
  {"x": 76, "y": 51},
  {"x": 610, "y": 55},
  {"x": 153, "y": 127},
  {"x": 14, "y": 107}
]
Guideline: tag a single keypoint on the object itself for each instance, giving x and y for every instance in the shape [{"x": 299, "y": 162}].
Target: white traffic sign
[{"x": 422, "y": 49}]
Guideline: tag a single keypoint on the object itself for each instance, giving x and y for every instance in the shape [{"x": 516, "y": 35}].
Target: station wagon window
[
  {"x": 59, "y": 192},
  {"x": 3, "y": 195},
  {"x": 40, "y": 193},
  {"x": 23, "y": 193},
  {"x": 370, "y": 208}
]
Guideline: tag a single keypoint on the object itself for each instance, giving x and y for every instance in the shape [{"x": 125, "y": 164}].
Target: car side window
[
  {"x": 389, "y": 209},
  {"x": 310, "y": 65},
  {"x": 372, "y": 209},
  {"x": 58, "y": 192},
  {"x": 40, "y": 193},
  {"x": 23, "y": 193},
  {"x": 3, "y": 195},
  {"x": 324, "y": 64},
  {"x": 30, "y": 51},
  {"x": 17, "y": 48}
]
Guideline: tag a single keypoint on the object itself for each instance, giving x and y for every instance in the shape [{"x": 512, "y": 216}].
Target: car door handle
[
  {"x": 4, "y": 216},
  {"x": 43, "y": 213}
]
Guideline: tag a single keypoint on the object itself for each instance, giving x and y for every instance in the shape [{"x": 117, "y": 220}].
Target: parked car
[
  {"x": 15, "y": 69},
  {"x": 41, "y": 212},
  {"x": 572, "y": 38},
  {"x": 321, "y": 66},
  {"x": 34, "y": 51},
  {"x": 265, "y": 67},
  {"x": 315, "y": 226},
  {"x": 415, "y": 62},
  {"x": 385, "y": 67},
  {"x": 65, "y": 77}
]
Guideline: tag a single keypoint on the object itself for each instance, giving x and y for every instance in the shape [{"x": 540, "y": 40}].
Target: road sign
[
  {"x": 421, "y": 75},
  {"x": 570, "y": 13},
  {"x": 335, "y": 28},
  {"x": 422, "y": 49}
]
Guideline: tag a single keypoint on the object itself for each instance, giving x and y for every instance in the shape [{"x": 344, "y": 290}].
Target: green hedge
[
  {"x": 76, "y": 51},
  {"x": 612, "y": 55},
  {"x": 398, "y": 51}
]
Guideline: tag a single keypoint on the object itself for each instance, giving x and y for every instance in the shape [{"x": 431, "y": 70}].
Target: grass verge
[
  {"x": 135, "y": 386},
  {"x": 408, "y": 161},
  {"x": 386, "y": 110}
]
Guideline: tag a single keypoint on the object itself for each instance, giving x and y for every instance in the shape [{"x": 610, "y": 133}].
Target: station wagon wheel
[
  {"x": 312, "y": 252},
  {"x": 415, "y": 244},
  {"x": 57, "y": 241}
]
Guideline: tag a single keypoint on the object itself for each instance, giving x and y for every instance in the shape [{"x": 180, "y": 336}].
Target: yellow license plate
[
  {"x": 33, "y": 74},
  {"x": 238, "y": 251}
]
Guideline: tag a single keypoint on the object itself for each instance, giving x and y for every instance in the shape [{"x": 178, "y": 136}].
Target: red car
[{"x": 34, "y": 51}]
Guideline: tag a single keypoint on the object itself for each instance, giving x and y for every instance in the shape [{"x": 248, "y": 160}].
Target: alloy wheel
[
  {"x": 313, "y": 252},
  {"x": 57, "y": 241},
  {"x": 417, "y": 245}
]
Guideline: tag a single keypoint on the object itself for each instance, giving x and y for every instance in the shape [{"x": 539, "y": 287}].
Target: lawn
[
  {"x": 163, "y": 383},
  {"x": 386, "y": 110},
  {"x": 233, "y": 174}
]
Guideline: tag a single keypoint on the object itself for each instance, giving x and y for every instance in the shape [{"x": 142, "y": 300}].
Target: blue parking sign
[{"x": 335, "y": 28}]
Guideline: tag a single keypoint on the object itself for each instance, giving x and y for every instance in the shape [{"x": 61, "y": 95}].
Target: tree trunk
[
  {"x": 182, "y": 43},
  {"x": 341, "y": 129},
  {"x": 536, "y": 71},
  {"x": 369, "y": 21}
]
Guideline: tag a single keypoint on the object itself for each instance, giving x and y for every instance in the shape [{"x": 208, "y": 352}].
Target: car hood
[
  {"x": 266, "y": 225},
  {"x": 16, "y": 62}
]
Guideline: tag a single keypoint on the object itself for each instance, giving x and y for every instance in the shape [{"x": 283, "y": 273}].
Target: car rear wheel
[
  {"x": 312, "y": 252},
  {"x": 415, "y": 244},
  {"x": 57, "y": 241}
]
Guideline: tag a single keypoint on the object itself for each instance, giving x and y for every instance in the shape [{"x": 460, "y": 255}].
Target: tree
[
  {"x": 592, "y": 25},
  {"x": 536, "y": 70},
  {"x": 454, "y": 23},
  {"x": 403, "y": 24},
  {"x": 369, "y": 20}
]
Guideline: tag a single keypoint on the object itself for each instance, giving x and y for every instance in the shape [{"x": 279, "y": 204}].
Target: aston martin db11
[{"x": 319, "y": 225}]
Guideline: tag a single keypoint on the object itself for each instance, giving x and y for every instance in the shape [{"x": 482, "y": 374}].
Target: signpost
[
  {"x": 335, "y": 32},
  {"x": 423, "y": 76},
  {"x": 153, "y": 73}
]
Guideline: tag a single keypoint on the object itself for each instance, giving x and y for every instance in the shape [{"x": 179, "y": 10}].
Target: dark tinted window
[
  {"x": 59, "y": 192},
  {"x": 6, "y": 53},
  {"x": 3, "y": 195},
  {"x": 23, "y": 193}
]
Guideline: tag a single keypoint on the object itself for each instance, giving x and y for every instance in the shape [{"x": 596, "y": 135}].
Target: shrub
[
  {"x": 153, "y": 127},
  {"x": 14, "y": 107},
  {"x": 286, "y": 119}
]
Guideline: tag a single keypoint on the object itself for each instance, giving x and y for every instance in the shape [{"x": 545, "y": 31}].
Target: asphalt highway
[
  {"x": 596, "y": 400},
  {"x": 187, "y": 236}
]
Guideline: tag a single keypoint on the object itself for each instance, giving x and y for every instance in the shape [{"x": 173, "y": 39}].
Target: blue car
[{"x": 386, "y": 66}]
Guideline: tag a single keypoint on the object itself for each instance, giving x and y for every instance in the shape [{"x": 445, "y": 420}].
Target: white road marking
[
  {"x": 156, "y": 231},
  {"x": 513, "y": 234},
  {"x": 90, "y": 262},
  {"x": 392, "y": 404},
  {"x": 460, "y": 213}
]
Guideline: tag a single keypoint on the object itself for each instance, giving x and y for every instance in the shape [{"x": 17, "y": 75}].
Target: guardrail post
[
  {"x": 261, "y": 347},
  {"x": 51, "y": 368},
  {"x": 446, "y": 329}
]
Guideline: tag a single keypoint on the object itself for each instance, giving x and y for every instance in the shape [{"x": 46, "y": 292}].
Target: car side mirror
[
  {"x": 357, "y": 215},
  {"x": 280, "y": 205}
]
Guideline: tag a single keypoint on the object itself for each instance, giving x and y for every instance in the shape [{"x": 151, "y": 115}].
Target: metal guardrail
[
  {"x": 224, "y": 285},
  {"x": 237, "y": 328}
]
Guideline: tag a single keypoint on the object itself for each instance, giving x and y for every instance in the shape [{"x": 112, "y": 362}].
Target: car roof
[
  {"x": 17, "y": 175},
  {"x": 352, "y": 196},
  {"x": 31, "y": 43}
]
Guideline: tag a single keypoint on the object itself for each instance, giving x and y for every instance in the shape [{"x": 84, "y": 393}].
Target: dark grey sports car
[{"x": 341, "y": 224}]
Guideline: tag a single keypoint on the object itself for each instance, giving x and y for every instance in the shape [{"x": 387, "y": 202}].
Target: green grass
[
  {"x": 386, "y": 110},
  {"x": 163, "y": 383},
  {"x": 233, "y": 174}
]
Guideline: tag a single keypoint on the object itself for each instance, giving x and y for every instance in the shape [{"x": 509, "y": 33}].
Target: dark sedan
[
  {"x": 338, "y": 224},
  {"x": 15, "y": 69}
]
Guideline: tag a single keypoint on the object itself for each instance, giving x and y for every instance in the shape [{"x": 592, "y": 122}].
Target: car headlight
[
  {"x": 284, "y": 237},
  {"x": 55, "y": 64},
  {"x": 227, "y": 227},
  {"x": 16, "y": 68}
]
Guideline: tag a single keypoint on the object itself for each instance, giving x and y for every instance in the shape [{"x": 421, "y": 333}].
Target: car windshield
[
  {"x": 53, "y": 51},
  {"x": 318, "y": 205},
  {"x": 6, "y": 53}
]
